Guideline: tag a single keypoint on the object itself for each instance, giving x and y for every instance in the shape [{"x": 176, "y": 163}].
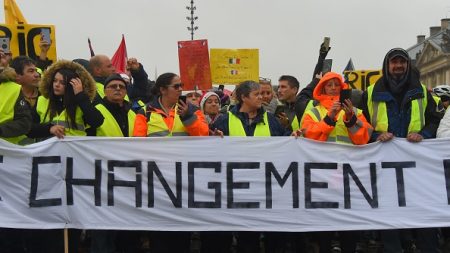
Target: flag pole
[{"x": 66, "y": 240}]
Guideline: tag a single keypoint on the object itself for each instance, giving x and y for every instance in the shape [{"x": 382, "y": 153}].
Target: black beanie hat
[{"x": 114, "y": 77}]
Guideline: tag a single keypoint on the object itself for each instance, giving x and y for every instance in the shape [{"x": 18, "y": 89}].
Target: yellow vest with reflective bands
[
  {"x": 9, "y": 93},
  {"x": 236, "y": 128},
  {"x": 379, "y": 116},
  {"x": 61, "y": 119},
  {"x": 156, "y": 127},
  {"x": 110, "y": 127},
  {"x": 340, "y": 131},
  {"x": 100, "y": 89},
  {"x": 309, "y": 106}
]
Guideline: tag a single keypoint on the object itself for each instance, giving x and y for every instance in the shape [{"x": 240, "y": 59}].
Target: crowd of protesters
[{"x": 40, "y": 99}]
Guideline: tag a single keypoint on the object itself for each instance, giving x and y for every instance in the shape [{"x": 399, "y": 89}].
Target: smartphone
[
  {"x": 45, "y": 34},
  {"x": 280, "y": 109},
  {"x": 327, "y": 64},
  {"x": 4, "y": 44},
  {"x": 182, "y": 98},
  {"x": 326, "y": 42},
  {"x": 345, "y": 94}
]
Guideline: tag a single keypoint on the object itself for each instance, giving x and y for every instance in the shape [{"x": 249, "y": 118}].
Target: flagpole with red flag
[
  {"x": 90, "y": 48},
  {"x": 119, "y": 59}
]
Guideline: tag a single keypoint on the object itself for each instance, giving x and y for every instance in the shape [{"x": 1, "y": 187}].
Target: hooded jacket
[
  {"x": 90, "y": 115},
  {"x": 398, "y": 100},
  {"x": 15, "y": 116},
  {"x": 319, "y": 126}
]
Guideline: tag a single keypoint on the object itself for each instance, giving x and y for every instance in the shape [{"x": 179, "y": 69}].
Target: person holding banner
[
  {"x": 167, "y": 115},
  {"x": 332, "y": 120},
  {"x": 247, "y": 118},
  {"x": 65, "y": 106},
  {"x": 398, "y": 105},
  {"x": 119, "y": 122}
]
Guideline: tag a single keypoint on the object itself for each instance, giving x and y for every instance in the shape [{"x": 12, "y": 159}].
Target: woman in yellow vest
[
  {"x": 65, "y": 106},
  {"x": 333, "y": 121},
  {"x": 248, "y": 118},
  {"x": 166, "y": 115}
]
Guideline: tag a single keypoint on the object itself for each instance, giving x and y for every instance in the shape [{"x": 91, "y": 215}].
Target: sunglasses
[
  {"x": 176, "y": 86},
  {"x": 263, "y": 79},
  {"x": 116, "y": 86}
]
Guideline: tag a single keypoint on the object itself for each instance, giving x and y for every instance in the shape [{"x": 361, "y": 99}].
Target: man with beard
[{"x": 398, "y": 105}]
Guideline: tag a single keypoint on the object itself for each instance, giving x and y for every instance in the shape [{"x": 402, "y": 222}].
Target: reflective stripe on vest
[
  {"x": 9, "y": 92},
  {"x": 61, "y": 119},
  {"x": 340, "y": 131},
  {"x": 100, "y": 89},
  {"x": 110, "y": 127},
  {"x": 295, "y": 125},
  {"x": 157, "y": 127},
  {"x": 309, "y": 106},
  {"x": 379, "y": 117},
  {"x": 236, "y": 128}
]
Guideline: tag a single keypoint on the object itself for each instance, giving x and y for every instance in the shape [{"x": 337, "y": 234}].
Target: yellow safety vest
[
  {"x": 9, "y": 92},
  {"x": 61, "y": 119},
  {"x": 309, "y": 106},
  {"x": 236, "y": 128},
  {"x": 110, "y": 127},
  {"x": 100, "y": 89},
  {"x": 340, "y": 131},
  {"x": 379, "y": 117},
  {"x": 156, "y": 127}
]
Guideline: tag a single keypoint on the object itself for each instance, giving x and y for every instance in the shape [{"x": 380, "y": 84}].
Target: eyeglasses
[
  {"x": 266, "y": 80},
  {"x": 116, "y": 86},
  {"x": 176, "y": 86}
]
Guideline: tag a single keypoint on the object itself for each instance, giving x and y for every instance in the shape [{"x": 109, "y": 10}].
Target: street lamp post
[{"x": 192, "y": 19}]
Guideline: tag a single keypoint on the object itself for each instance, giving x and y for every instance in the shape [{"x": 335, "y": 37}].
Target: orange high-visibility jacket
[
  {"x": 194, "y": 125},
  {"x": 318, "y": 126}
]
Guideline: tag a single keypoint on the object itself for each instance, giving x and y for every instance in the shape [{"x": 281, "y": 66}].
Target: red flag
[
  {"x": 90, "y": 48},
  {"x": 119, "y": 60}
]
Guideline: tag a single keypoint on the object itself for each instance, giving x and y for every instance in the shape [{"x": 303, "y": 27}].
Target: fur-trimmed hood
[
  {"x": 88, "y": 82},
  {"x": 7, "y": 75}
]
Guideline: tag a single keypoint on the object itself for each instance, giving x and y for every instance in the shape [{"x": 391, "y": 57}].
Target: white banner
[{"x": 232, "y": 184}]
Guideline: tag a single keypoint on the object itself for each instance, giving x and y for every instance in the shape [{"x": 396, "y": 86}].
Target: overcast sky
[{"x": 288, "y": 33}]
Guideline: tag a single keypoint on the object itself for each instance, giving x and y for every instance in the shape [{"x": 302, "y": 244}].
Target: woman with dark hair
[
  {"x": 64, "y": 107},
  {"x": 248, "y": 118},
  {"x": 166, "y": 115}
]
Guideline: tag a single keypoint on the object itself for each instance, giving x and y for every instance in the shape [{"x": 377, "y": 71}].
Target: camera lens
[{"x": 4, "y": 46}]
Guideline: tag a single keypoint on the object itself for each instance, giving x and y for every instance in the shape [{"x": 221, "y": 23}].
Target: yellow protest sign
[
  {"x": 361, "y": 79},
  {"x": 233, "y": 66},
  {"x": 24, "y": 39}
]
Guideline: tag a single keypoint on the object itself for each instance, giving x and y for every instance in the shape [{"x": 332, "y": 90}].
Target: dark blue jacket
[
  {"x": 399, "y": 107},
  {"x": 276, "y": 129}
]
